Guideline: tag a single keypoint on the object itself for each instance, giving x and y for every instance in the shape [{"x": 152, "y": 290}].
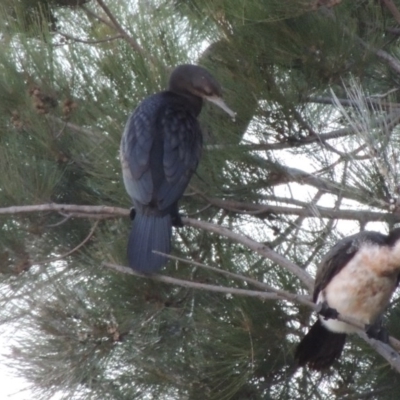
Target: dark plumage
[
  {"x": 356, "y": 278},
  {"x": 160, "y": 150}
]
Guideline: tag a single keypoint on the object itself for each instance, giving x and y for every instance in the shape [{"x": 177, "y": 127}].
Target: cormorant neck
[{"x": 195, "y": 103}]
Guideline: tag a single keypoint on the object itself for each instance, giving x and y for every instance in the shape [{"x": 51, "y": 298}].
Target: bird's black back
[{"x": 162, "y": 147}]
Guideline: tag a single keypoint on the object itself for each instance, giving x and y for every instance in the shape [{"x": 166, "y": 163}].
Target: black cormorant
[{"x": 160, "y": 150}]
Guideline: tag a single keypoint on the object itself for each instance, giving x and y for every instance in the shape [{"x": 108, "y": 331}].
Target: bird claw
[
  {"x": 326, "y": 311},
  {"x": 378, "y": 332},
  {"x": 132, "y": 213},
  {"x": 176, "y": 221}
]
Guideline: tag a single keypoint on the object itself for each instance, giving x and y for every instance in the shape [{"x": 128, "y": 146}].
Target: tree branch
[
  {"x": 260, "y": 285},
  {"x": 375, "y": 104},
  {"x": 263, "y": 211},
  {"x": 285, "y": 145},
  {"x": 287, "y": 174},
  {"x": 75, "y": 39},
  {"x": 391, "y": 61},
  {"x": 393, "y": 9},
  {"x": 259, "y": 248},
  {"x": 387, "y": 352},
  {"x": 203, "y": 286},
  {"x": 114, "y": 24},
  {"x": 108, "y": 212},
  {"x": 83, "y": 211}
]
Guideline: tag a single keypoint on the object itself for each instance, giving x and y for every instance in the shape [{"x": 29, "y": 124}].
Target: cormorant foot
[
  {"x": 176, "y": 221},
  {"x": 326, "y": 311},
  {"x": 378, "y": 332},
  {"x": 132, "y": 213}
]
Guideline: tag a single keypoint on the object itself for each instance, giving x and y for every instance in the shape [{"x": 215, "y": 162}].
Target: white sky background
[{"x": 11, "y": 387}]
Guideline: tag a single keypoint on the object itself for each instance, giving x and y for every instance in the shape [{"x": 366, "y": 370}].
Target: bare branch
[
  {"x": 201, "y": 286},
  {"x": 89, "y": 132},
  {"x": 375, "y": 104},
  {"x": 75, "y": 39},
  {"x": 83, "y": 211},
  {"x": 260, "y": 285},
  {"x": 393, "y": 9},
  {"x": 263, "y": 211},
  {"x": 113, "y": 23},
  {"x": 285, "y": 145},
  {"x": 349, "y": 192},
  {"x": 387, "y": 352},
  {"x": 259, "y": 248},
  {"x": 110, "y": 212}
]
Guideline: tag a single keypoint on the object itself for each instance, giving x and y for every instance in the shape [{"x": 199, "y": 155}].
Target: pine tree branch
[
  {"x": 385, "y": 350},
  {"x": 374, "y": 104},
  {"x": 391, "y": 61},
  {"x": 110, "y": 212},
  {"x": 393, "y": 9},
  {"x": 263, "y": 211},
  {"x": 315, "y": 138},
  {"x": 75, "y": 39},
  {"x": 259, "y": 248},
  {"x": 83, "y": 211},
  {"x": 96, "y": 135},
  {"x": 260, "y": 285},
  {"x": 114, "y": 24},
  {"x": 349, "y": 192},
  {"x": 205, "y": 286}
]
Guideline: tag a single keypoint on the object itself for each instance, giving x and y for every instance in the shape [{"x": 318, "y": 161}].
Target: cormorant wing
[
  {"x": 340, "y": 254},
  {"x": 136, "y": 144},
  {"x": 182, "y": 151},
  {"x": 160, "y": 150}
]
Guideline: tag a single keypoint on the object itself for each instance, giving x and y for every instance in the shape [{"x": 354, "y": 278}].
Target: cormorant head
[{"x": 197, "y": 81}]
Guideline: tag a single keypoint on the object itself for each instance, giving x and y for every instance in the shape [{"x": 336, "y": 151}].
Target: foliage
[{"x": 313, "y": 155}]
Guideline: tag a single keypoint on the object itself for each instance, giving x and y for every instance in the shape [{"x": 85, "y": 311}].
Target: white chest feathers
[{"x": 363, "y": 287}]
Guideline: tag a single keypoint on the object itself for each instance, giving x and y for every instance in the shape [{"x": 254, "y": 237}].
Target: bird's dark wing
[
  {"x": 136, "y": 145},
  {"x": 160, "y": 150},
  {"x": 182, "y": 151},
  {"x": 340, "y": 254}
]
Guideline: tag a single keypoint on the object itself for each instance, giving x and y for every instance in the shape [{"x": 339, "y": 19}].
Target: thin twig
[
  {"x": 264, "y": 210},
  {"x": 391, "y": 61},
  {"x": 201, "y": 286},
  {"x": 63, "y": 221},
  {"x": 71, "y": 251},
  {"x": 113, "y": 23},
  {"x": 259, "y": 248},
  {"x": 375, "y": 104},
  {"x": 393, "y": 9},
  {"x": 383, "y": 349},
  {"x": 260, "y": 285},
  {"x": 89, "y": 132},
  {"x": 75, "y": 39}
]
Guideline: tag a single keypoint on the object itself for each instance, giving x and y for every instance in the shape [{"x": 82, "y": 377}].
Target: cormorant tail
[
  {"x": 149, "y": 233},
  {"x": 320, "y": 347}
]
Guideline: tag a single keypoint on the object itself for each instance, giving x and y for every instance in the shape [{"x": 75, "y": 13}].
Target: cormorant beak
[{"x": 220, "y": 103}]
